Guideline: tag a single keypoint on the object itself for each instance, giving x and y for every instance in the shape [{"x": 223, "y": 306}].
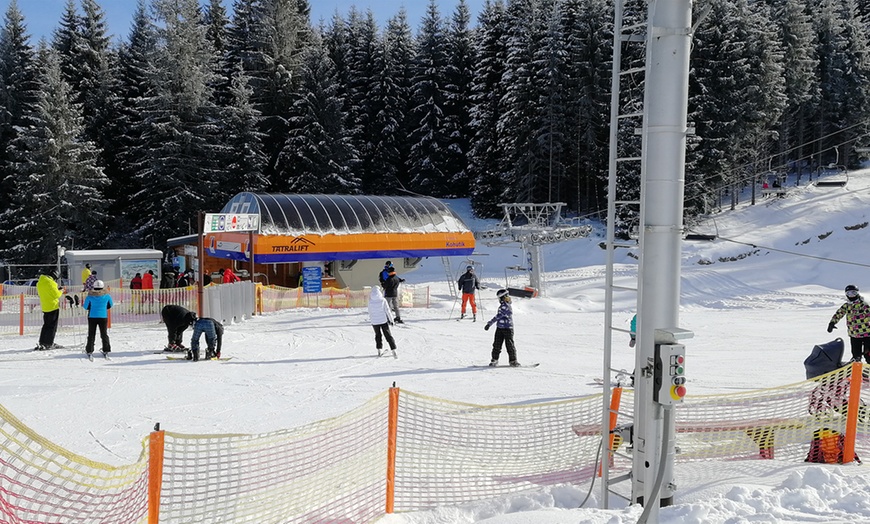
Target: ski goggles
[{"x": 852, "y": 293}]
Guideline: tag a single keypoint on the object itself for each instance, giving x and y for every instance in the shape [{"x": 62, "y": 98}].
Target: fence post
[
  {"x": 21, "y": 314},
  {"x": 392, "y": 432},
  {"x": 155, "y": 473},
  {"x": 852, "y": 412}
]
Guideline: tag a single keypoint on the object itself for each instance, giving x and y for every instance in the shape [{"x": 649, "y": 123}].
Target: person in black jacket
[
  {"x": 214, "y": 334},
  {"x": 391, "y": 293},
  {"x": 177, "y": 319},
  {"x": 468, "y": 284}
]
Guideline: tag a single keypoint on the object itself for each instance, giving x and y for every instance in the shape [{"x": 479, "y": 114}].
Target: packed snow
[{"x": 757, "y": 299}]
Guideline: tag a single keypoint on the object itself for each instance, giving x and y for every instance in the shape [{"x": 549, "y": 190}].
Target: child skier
[
  {"x": 504, "y": 329},
  {"x": 97, "y": 304},
  {"x": 379, "y": 315}
]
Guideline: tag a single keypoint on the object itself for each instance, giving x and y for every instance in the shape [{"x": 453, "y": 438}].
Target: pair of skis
[
  {"x": 91, "y": 356},
  {"x": 384, "y": 352}
]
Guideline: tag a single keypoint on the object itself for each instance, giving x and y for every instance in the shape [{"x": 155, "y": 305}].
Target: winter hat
[
  {"x": 501, "y": 293},
  {"x": 388, "y": 264},
  {"x": 99, "y": 285},
  {"x": 392, "y": 271},
  {"x": 88, "y": 266},
  {"x": 52, "y": 273}
]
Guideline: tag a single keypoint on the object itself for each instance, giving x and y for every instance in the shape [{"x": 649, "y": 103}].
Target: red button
[{"x": 680, "y": 391}]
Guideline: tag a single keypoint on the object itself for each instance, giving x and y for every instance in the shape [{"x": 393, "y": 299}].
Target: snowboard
[
  {"x": 222, "y": 359},
  {"x": 536, "y": 364}
]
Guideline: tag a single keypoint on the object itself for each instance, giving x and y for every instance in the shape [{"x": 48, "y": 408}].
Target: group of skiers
[{"x": 383, "y": 301}]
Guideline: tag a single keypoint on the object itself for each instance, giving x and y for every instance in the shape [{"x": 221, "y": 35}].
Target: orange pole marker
[
  {"x": 615, "y": 399},
  {"x": 852, "y": 412},
  {"x": 21, "y": 314},
  {"x": 393, "y": 430},
  {"x": 155, "y": 475}
]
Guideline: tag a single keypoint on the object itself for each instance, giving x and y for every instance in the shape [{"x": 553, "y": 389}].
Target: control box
[{"x": 669, "y": 374}]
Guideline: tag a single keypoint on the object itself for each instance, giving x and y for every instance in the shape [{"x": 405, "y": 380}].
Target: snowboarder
[
  {"x": 379, "y": 315},
  {"x": 177, "y": 319},
  {"x": 391, "y": 293},
  {"x": 857, "y": 313},
  {"x": 468, "y": 283},
  {"x": 49, "y": 300},
  {"x": 214, "y": 334},
  {"x": 504, "y": 329},
  {"x": 98, "y": 303}
]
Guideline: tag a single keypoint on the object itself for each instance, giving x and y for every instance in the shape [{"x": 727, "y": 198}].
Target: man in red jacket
[{"x": 228, "y": 276}]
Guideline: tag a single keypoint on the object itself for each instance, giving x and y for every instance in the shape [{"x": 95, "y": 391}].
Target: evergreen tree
[
  {"x": 489, "y": 179},
  {"x": 244, "y": 159},
  {"x": 430, "y": 142},
  {"x": 18, "y": 94},
  {"x": 180, "y": 146},
  {"x": 136, "y": 75},
  {"x": 458, "y": 75},
  {"x": 318, "y": 153},
  {"x": 57, "y": 182},
  {"x": 587, "y": 27}
]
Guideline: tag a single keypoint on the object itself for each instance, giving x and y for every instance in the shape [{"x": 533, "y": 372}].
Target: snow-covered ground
[{"x": 757, "y": 304}]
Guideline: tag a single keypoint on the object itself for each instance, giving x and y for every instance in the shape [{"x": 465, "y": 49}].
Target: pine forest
[{"x": 117, "y": 141}]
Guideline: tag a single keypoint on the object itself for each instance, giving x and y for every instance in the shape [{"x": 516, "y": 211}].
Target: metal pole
[
  {"x": 200, "y": 292},
  {"x": 662, "y": 189}
]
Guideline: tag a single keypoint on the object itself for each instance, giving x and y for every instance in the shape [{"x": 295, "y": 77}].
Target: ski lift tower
[
  {"x": 533, "y": 226},
  {"x": 648, "y": 129}
]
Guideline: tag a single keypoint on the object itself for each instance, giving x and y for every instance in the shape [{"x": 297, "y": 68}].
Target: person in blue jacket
[
  {"x": 633, "y": 333},
  {"x": 97, "y": 304}
]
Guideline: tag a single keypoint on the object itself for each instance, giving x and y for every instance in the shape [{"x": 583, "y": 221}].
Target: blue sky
[{"x": 42, "y": 16}]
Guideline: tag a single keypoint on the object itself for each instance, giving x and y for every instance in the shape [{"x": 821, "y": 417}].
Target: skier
[
  {"x": 136, "y": 282},
  {"x": 98, "y": 303},
  {"x": 379, "y": 315},
  {"x": 504, "y": 330},
  {"x": 633, "y": 332},
  {"x": 49, "y": 300},
  {"x": 391, "y": 293},
  {"x": 385, "y": 273},
  {"x": 468, "y": 283},
  {"x": 857, "y": 313},
  {"x": 214, "y": 334},
  {"x": 86, "y": 272},
  {"x": 177, "y": 319}
]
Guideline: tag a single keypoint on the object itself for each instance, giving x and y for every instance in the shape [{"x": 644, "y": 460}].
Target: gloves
[
  {"x": 486, "y": 327},
  {"x": 831, "y": 327}
]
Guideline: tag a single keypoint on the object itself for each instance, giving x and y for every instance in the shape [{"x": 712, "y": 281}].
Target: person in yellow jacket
[
  {"x": 86, "y": 272},
  {"x": 49, "y": 298}
]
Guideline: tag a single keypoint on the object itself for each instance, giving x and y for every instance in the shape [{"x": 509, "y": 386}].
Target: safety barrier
[
  {"x": 276, "y": 298},
  {"x": 402, "y": 451}
]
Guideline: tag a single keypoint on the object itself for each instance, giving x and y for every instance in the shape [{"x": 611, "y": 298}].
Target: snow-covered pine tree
[
  {"x": 58, "y": 184},
  {"x": 587, "y": 27},
  {"x": 795, "y": 32},
  {"x": 459, "y": 70},
  {"x": 551, "y": 71},
  {"x": 395, "y": 77},
  {"x": 180, "y": 146},
  {"x": 18, "y": 94},
  {"x": 522, "y": 99},
  {"x": 137, "y": 58},
  {"x": 243, "y": 158},
  {"x": 318, "y": 153},
  {"x": 842, "y": 112},
  {"x": 429, "y": 141},
  {"x": 488, "y": 182}
]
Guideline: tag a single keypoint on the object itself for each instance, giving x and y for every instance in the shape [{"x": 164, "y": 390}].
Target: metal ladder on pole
[
  {"x": 625, "y": 199},
  {"x": 451, "y": 282}
]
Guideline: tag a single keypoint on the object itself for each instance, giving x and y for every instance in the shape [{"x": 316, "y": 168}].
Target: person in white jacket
[{"x": 380, "y": 314}]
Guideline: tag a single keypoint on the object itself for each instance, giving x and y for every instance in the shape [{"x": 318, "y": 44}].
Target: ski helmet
[
  {"x": 469, "y": 268},
  {"x": 852, "y": 292},
  {"x": 52, "y": 273},
  {"x": 501, "y": 293},
  {"x": 99, "y": 285},
  {"x": 851, "y": 287}
]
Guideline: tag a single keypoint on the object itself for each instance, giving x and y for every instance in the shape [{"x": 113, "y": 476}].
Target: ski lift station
[{"x": 348, "y": 238}]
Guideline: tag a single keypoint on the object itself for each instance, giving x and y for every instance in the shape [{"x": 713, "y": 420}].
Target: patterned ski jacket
[
  {"x": 504, "y": 318},
  {"x": 857, "y": 315}
]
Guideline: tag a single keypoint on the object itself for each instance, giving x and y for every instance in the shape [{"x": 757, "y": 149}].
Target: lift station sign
[{"x": 231, "y": 222}]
